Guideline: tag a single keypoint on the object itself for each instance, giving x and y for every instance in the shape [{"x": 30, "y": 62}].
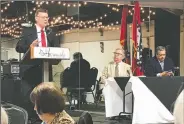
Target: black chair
[
  {"x": 85, "y": 118},
  {"x": 92, "y": 82},
  {"x": 16, "y": 114},
  {"x": 81, "y": 87}
]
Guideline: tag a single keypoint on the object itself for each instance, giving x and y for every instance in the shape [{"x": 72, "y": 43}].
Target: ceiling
[
  {"x": 67, "y": 15},
  {"x": 171, "y": 4}
]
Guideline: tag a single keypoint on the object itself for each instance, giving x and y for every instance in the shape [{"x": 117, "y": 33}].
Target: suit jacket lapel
[
  {"x": 48, "y": 40},
  {"x": 34, "y": 34},
  {"x": 159, "y": 68}
]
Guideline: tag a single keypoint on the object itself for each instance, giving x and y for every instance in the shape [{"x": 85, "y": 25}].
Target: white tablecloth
[
  {"x": 114, "y": 98},
  {"x": 147, "y": 107}
]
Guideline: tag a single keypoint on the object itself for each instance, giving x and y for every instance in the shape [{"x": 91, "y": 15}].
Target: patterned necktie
[
  {"x": 43, "y": 38},
  {"x": 116, "y": 71}
]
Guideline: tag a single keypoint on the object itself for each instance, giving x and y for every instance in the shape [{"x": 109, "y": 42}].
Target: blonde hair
[{"x": 4, "y": 116}]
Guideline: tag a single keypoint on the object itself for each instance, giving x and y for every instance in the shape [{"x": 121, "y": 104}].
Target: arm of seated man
[{"x": 165, "y": 73}]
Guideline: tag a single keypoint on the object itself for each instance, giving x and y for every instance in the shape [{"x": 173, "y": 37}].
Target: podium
[{"x": 45, "y": 56}]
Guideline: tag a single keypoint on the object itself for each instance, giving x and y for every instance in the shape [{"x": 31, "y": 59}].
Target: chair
[
  {"x": 78, "y": 89},
  {"x": 92, "y": 82},
  {"x": 85, "y": 118},
  {"x": 16, "y": 115}
]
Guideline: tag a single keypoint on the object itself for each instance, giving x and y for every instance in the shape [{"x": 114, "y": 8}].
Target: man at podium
[
  {"x": 41, "y": 36},
  {"x": 36, "y": 36}
]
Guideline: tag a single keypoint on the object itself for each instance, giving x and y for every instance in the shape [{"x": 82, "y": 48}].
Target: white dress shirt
[{"x": 39, "y": 35}]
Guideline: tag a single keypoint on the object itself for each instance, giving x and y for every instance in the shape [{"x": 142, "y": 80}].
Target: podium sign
[
  {"x": 49, "y": 53},
  {"x": 48, "y": 56}
]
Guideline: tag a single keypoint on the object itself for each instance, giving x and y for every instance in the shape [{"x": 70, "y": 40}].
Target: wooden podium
[{"x": 45, "y": 56}]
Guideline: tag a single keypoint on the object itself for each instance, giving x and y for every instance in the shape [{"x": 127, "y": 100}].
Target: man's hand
[
  {"x": 34, "y": 43},
  {"x": 164, "y": 74}
]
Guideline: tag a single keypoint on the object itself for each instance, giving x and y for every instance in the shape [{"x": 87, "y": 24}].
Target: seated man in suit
[
  {"x": 116, "y": 68},
  {"x": 77, "y": 74},
  {"x": 78, "y": 70},
  {"x": 160, "y": 65}
]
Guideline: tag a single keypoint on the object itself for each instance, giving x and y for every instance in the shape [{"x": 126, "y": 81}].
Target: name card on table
[{"x": 49, "y": 53}]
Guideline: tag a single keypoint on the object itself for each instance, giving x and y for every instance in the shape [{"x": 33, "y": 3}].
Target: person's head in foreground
[
  {"x": 49, "y": 104},
  {"x": 119, "y": 55},
  {"x": 161, "y": 53},
  {"x": 4, "y": 116}
]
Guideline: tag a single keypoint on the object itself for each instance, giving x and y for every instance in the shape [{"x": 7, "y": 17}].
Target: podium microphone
[{"x": 48, "y": 30}]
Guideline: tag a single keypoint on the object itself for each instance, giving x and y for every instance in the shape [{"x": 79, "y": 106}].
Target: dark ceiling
[{"x": 86, "y": 12}]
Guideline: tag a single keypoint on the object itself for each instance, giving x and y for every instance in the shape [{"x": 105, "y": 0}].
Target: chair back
[
  {"x": 16, "y": 115},
  {"x": 85, "y": 118},
  {"x": 93, "y": 76}
]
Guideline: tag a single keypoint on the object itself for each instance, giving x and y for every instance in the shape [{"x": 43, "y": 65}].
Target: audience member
[
  {"x": 49, "y": 104},
  {"x": 160, "y": 65},
  {"x": 4, "y": 116},
  {"x": 78, "y": 69},
  {"x": 179, "y": 109}
]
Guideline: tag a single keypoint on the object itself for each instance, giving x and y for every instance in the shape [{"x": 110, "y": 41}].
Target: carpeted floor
[{"x": 97, "y": 113}]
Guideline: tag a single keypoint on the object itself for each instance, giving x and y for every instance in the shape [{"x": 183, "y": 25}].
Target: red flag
[
  {"x": 123, "y": 33},
  {"x": 137, "y": 42}
]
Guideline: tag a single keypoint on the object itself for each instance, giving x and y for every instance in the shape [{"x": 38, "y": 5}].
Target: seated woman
[
  {"x": 49, "y": 104},
  {"x": 4, "y": 116}
]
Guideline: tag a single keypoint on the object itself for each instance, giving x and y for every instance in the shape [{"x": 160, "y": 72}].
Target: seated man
[
  {"x": 77, "y": 74},
  {"x": 117, "y": 68},
  {"x": 160, "y": 65},
  {"x": 78, "y": 69}
]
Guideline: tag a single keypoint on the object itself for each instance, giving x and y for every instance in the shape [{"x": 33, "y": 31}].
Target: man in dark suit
[
  {"x": 36, "y": 36},
  {"x": 79, "y": 69},
  {"x": 160, "y": 65}
]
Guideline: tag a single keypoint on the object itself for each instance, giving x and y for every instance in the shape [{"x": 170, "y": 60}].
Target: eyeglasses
[
  {"x": 118, "y": 54},
  {"x": 42, "y": 17}
]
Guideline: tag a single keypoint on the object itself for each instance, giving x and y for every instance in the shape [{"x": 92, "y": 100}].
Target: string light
[
  {"x": 5, "y": 8},
  {"x": 62, "y": 19},
  {"x": 74, "y": 4}
]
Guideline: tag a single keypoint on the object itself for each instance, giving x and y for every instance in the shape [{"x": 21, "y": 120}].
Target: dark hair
[
  {"x": 48, "y": 98},
  {"x": 160, "y": 48},
  {"x": 77, "y": 55},
  {"x": 40, "y": 10}
]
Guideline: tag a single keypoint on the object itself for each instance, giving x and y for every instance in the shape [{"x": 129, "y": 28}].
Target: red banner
[
  {"x": 123, "y": 33},
  {"x": 137, "y": 42}
]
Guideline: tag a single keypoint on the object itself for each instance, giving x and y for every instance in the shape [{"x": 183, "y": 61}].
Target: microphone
[{"x": 48, "y": 30}]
